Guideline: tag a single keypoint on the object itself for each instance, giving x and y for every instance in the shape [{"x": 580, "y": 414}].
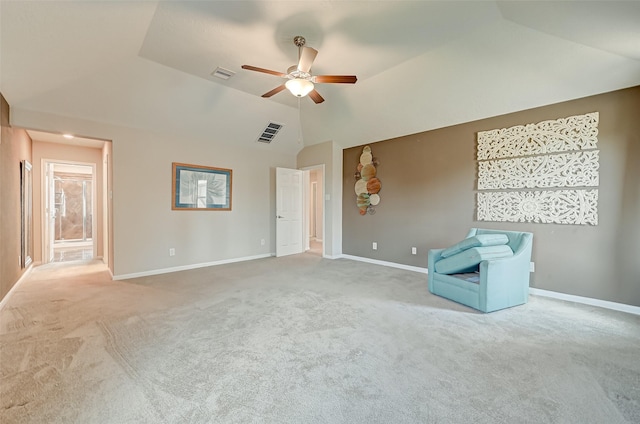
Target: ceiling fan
[{"x": 300, "y": 82}]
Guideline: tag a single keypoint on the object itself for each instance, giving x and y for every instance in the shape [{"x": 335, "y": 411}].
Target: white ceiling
[{"x": 420, "y": 64}]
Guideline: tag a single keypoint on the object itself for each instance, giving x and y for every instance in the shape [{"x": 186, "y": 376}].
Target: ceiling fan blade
[
  {"x": 274, "y": 91},
  {"x": 307, "y": 57},
  {"x": 335, "y": 79},
  {"x": 316, "y": 97},
  {"x": 266, "y": 71}
]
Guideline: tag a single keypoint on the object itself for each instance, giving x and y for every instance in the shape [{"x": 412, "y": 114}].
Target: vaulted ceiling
[{"x": 420, "y": 64}]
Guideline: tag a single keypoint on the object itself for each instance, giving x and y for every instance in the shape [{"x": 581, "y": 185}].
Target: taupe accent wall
[
  {"x": 15, "y": 146},
  {"x": 429, "y": 188}
]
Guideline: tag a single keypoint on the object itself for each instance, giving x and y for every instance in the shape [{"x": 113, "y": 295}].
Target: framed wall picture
[{"x": 196, "y": 187}]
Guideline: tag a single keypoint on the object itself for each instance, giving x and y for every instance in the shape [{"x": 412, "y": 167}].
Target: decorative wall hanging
[
  {"x": 367, "y": 184},
  {"x": 546, "y": 207},
  {"x": 550, "y": 154},
  {"x": 576, "y": 169},
  {"x": 578, "y": 132},
  {"x": 196, "y": 187}
]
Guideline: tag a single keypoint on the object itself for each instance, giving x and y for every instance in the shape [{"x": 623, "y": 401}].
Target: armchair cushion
[
  {"x": 468, "y": 259},
  {"x": 479, "y": 240}
]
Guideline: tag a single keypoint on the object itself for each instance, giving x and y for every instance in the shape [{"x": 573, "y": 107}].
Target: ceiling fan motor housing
[{"x": 293, "y": 72}]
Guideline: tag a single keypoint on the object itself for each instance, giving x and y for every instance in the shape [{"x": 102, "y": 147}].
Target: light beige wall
[
  {"x": 428, "y": 201},
  {"x": 144, "y": 225},
  {"x": 15, "y": 146},
  {"x": 64, "y": 153},
  {"x": 329, "y": 154}
]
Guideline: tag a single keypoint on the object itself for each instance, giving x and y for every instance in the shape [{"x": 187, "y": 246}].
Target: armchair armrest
[
  {"x": 506, "y": 281},
  {"x": 433, "y": 256}
]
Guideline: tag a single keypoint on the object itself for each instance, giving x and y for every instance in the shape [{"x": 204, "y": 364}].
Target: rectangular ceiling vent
[
  {"x": 270, "y": 132},
  {"x": 222, "y": 73}
]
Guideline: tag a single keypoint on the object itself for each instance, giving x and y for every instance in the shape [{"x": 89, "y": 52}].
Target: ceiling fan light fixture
[{"x": 299, "y": 87}]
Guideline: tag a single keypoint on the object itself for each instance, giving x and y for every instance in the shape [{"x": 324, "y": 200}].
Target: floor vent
[
  {"x": 270, "y": 132},
  {"x": 225, "y": 74}
]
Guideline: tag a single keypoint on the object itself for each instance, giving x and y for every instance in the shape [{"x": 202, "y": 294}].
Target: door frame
[
  {"x": 306, "y": 196},
  {"x": 47, "y": 244}
]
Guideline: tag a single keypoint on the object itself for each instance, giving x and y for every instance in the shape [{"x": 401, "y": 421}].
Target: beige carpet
[{"x": 303, "y": 340}]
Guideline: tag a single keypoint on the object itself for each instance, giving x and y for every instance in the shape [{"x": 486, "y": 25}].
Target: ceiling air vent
[
  {"x": 222, "y": 73},
  {"x": 270, "y": 132}
]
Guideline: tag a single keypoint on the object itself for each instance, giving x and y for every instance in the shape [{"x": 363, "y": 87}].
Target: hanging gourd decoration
[{"x": 367, "y": 185}]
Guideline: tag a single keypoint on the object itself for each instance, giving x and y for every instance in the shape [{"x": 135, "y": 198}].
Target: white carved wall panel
[
  {"x": 578, "y": 132},
  {"x": 548, "y": 207},
  {"x": 575, "y": 169},
  {"x": 552, "y": 154}
]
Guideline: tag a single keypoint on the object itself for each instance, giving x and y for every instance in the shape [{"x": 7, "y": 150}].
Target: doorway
[
  {"x": 70, "y": 202},
  {"x": 300, "y": 211},
  {"x": 315, "y": 209}
]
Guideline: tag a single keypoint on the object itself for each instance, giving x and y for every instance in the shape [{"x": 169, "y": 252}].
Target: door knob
[{"x": 278, "y": 216}]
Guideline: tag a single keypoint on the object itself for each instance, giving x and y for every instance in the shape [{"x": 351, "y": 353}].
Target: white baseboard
[
  {"x": 332, "y": 256},
  {"x": 534, "y": 291},
  {"x": 383, "y": 263},
  {"x": 537, "y": 292},
  {"x": 586, "y": 300},
  {"x": 5, "y": 299},
  {"x": 187, "y": 267}
]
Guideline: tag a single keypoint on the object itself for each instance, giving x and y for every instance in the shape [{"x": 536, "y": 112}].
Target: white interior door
[{"x": 289, "y": 208}]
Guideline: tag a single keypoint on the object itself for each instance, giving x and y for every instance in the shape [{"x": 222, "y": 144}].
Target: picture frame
[{"x": 198, "y": 188}]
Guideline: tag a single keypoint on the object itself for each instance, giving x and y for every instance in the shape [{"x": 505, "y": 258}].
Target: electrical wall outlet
[
  {"x": 532, "y": 266},
  {"x": 172, "y": 251},
  {"x": 414, "y": 250},
  {"x": 374, "y": 246},
  {"x": 262, "y": 242}
]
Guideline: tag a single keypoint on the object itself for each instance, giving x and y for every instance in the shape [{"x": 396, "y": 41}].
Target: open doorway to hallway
[
  {"x": 93, "y": 223},
  {"x": 69, "y": 226},
  {"x": 315, "y": 209}
]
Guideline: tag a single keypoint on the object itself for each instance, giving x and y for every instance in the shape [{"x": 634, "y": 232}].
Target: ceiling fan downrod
[{"x": 300, "y": 42}]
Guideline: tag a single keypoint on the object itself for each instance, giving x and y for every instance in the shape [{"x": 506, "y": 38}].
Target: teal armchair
[{"x": 487, "y": 271}]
